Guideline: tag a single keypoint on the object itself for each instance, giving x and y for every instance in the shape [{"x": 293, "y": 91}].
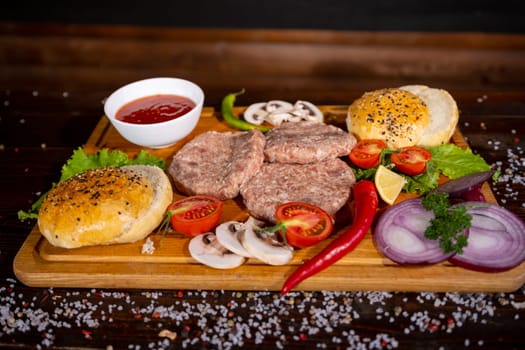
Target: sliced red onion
[
  {"x": 474, "y": 194},
  {"x": 496, "y": 239},
  {"x": 399, "y": 235},
  {"x": 467, "y": 187}
]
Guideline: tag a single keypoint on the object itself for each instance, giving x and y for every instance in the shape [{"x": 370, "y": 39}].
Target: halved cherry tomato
[
  {"x": 303, "y": 224},
  {"x": 366, "y": 153},
  {"x": 196, "y": 214},
  {"x": 411, "y": 160}
]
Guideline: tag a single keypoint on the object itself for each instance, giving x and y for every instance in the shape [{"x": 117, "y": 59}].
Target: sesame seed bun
[
  {"x": 412, "y": 115},
  {"x": 443, "y": 111},
  {"x": 105, "y": 206}
]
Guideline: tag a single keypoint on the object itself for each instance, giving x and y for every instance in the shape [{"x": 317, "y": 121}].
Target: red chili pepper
[{"x": 365, "y": 207}]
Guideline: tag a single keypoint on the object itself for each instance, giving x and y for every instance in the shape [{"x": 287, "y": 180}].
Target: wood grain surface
[{"x": 53, "y": 79}]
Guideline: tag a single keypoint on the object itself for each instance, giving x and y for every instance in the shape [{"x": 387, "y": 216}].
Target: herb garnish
[{"x": 448, "y": 224}]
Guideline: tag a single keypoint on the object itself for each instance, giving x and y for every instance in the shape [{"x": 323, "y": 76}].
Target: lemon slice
[{"x": 388, "y": 183}]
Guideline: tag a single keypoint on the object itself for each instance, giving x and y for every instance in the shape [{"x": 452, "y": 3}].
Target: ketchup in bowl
[{"x": 154, "y": 109}]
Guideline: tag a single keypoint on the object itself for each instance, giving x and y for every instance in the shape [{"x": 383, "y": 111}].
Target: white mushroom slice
[
  {"x": 206, "y": 249},
  {"x": 309, "y": 110},
  {"x": 265, "y": 248},
  {"x": 228, "y": 235},
  {"x": 278, "y": 105},
  {"x": 277, "y": 118},
  {"x": 256, "y": 113},
  {"x": 253, "y": 222},
  {"x": 297, "y": 116},
  {"x": 277, "y": 112}
]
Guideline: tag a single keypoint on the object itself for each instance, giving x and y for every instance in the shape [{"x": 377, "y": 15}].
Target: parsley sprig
[{"x": 448, "y": 224}]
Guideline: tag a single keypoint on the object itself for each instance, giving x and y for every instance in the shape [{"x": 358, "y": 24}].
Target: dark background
[{"x": 412, "y": 15}]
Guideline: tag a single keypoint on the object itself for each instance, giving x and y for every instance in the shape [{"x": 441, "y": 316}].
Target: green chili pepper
[{"x": 227, "y": 114}]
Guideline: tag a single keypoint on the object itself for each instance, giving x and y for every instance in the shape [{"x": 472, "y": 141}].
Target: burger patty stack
[{"x": 292, "y": 162}]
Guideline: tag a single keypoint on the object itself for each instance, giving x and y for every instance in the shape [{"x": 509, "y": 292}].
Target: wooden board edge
[{"x": 33, "y": 271}]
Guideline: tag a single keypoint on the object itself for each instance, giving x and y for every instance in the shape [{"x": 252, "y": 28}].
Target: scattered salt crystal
[
  {"x": 148, "y": 247},
  {"x": 168, "y": 334},
  {"x": 518, "y": 305},
  {"x": 481, "y": 99},
  {"x": 239, "y": 319}
]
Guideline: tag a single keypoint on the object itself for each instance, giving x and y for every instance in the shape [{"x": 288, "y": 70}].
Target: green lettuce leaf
[
  {"x": 422, "y": 183},
  {"x": 454, "y": 162}
]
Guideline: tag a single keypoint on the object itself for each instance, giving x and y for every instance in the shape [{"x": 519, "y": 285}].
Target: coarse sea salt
[
  {"x": 148, "y": 247},
  {"x": 243, "y": 319}
]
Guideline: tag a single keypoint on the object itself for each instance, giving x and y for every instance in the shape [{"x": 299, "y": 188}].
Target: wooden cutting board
[{"x": 38, "y": 263}]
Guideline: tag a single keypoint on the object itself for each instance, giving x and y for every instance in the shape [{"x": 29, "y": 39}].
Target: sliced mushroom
[
  {"x": 278, "y": 105},
  {"x": 309, "y": 111},
  {"x": 277, "y": 112},
  {"x": 264, "y": 247},
  {"x": 255, "y": 223},
  {"x": 228, "y": 235},
  {"x": 206, "y": 249},
  {"x": 256, "y": 113},
  {"x": 278, "y": 117}
]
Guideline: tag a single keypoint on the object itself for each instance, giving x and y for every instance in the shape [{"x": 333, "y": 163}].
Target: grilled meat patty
[
  {"x": 326, "y": 184},
  {"x": 217, "y": 163},
  {"x": 306, "y": 142}
]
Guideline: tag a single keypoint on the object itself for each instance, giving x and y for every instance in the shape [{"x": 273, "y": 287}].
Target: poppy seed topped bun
[
  {"x": 105, "y": 206},
  {"x": 412, "y": 115}
]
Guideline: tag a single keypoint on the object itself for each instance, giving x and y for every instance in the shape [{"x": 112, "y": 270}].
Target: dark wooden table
[{"x": 53, "y": 80}]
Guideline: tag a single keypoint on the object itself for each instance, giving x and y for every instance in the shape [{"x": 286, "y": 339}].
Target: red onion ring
[
  {"x": 399, "y": 235},
  {"x": 496, "y": 239}
]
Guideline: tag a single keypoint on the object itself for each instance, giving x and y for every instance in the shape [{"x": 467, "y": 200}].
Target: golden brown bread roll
[
  {"x": 412, "y": 115},
  {"x": 105, "y": 206},
  {"x": 443, "y": 111}
]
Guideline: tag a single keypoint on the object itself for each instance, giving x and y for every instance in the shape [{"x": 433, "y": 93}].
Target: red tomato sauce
[{"x": 154, "y": 109}]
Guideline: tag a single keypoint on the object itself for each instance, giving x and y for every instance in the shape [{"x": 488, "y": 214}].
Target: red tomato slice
[
  {"x": 196, "y": 214},
  {"x": 305, "y": 224},
  {"x": 366, "y": 153},
  {"x": 411, "y": 160}
]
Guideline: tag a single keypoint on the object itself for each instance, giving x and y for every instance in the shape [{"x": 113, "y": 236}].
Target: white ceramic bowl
[{"x": 155, "y": 135}]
